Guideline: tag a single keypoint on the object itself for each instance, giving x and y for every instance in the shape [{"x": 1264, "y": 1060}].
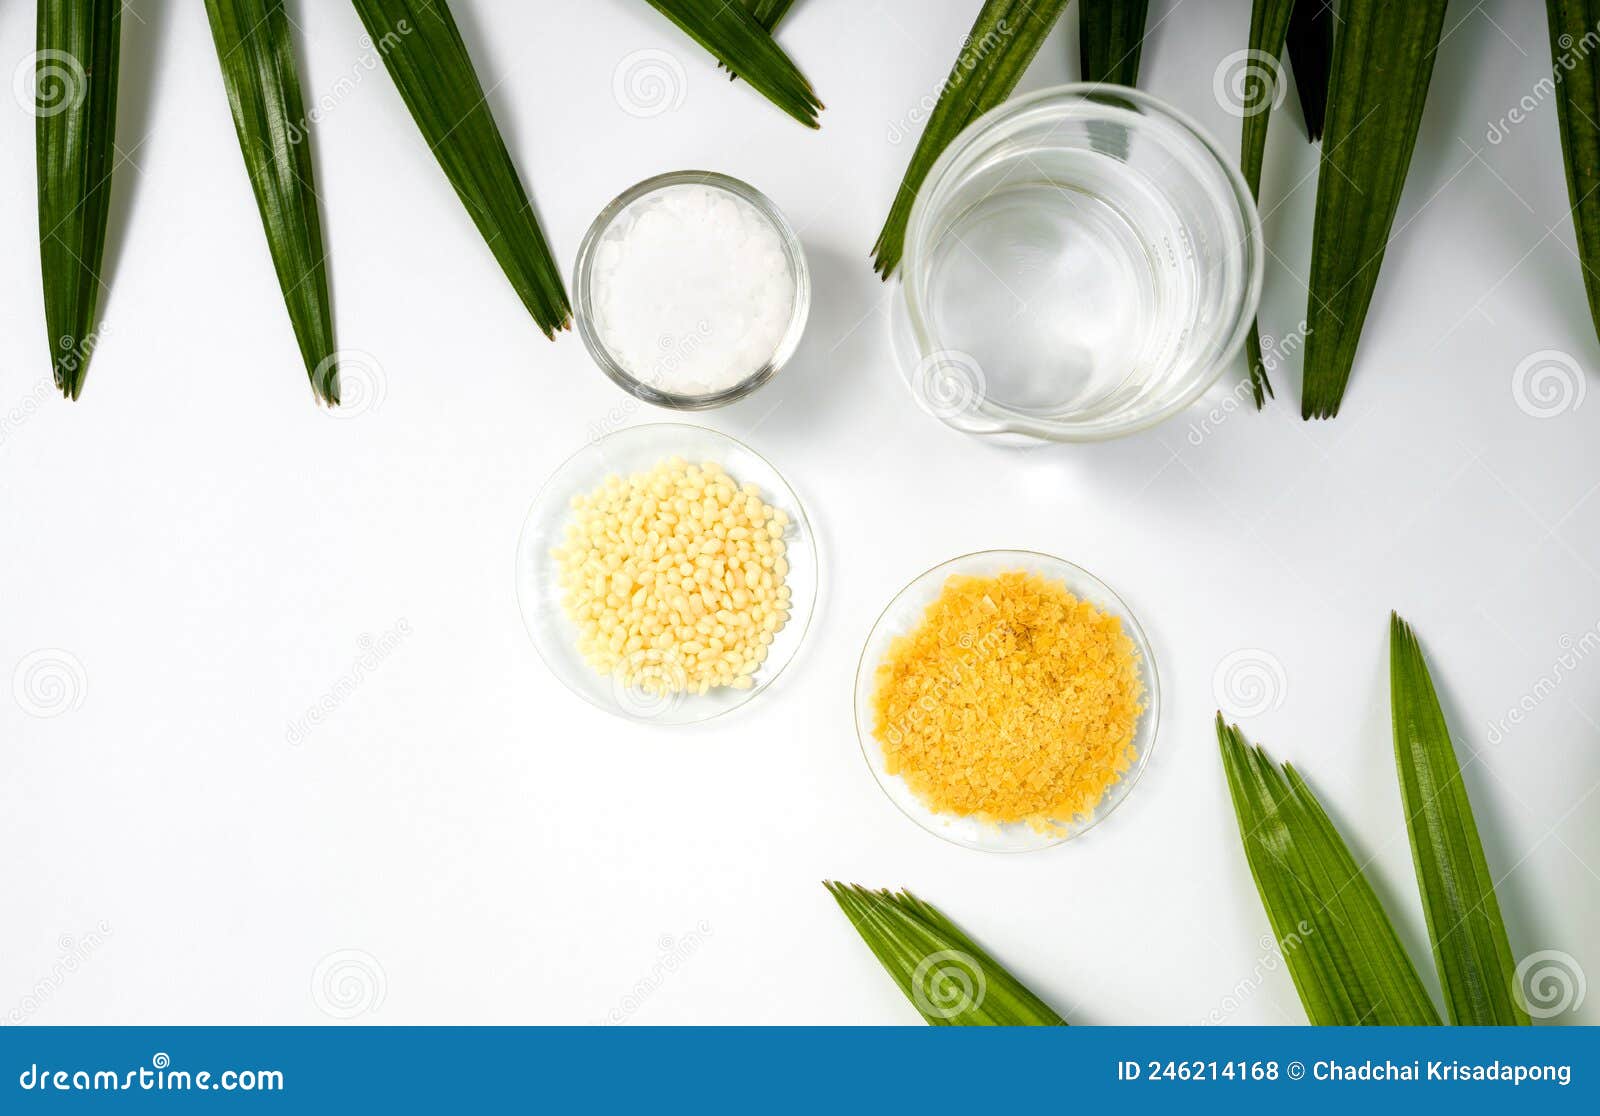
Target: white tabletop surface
[{"x": 199, "y": 555}]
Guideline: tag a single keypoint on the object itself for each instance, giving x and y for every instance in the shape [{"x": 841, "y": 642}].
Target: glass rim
[
  {"x": 1104, "y": 100},
  {"x": 582, "y": 274}
]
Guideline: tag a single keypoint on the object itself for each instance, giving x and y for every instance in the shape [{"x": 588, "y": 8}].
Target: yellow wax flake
[{"x": 1011, "y": 701}]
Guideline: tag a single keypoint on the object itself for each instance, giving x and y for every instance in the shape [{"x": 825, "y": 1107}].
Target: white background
[{"x": 213, "y": 549}]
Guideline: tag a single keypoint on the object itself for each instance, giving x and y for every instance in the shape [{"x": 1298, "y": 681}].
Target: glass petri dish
[
  {"x": 905, "y": 612},
  {"x": 1080, "y": 263},
  {"x": 677, "y": 348},
  {"x": 539, "y": 584}
]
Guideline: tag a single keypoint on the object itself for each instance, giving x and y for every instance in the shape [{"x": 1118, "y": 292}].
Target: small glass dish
[
  {"x": 585, "y": 310},
  {"x": 906, "y": 611},
  {"x": 1079, "y": 264},
  {"x": 628, "y": 451}
]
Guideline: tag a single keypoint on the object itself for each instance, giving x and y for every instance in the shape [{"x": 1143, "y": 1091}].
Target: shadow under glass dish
[
  {"x": 539, "y": 594},
  {"x": 905, "y": 612},
  {"x": 1079, "y": 264}
]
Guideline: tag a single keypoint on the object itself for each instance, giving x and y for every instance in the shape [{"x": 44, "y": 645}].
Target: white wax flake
[{"x": 691, "y": 289}]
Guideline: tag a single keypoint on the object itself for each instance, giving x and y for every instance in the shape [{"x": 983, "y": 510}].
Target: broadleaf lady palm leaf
[
  {"x": 1383, "y": 59},
  {"x": 947, "y": 977},
  {"x": 1342, "y": 952},
  {"x": 424, "y": 54},
  {"x": 1476, "y": 967},
  {"x": 1310, "y": 46},
  {"x": 768, "y": 12},
  {"x": 1110, "y": 38},
  {"x": 258, "y": 69},
  {"x": 75, "y": 102},
  {"x": 741, "y": 43},
  {"x": 1269, "y": 24},
  {"x": 1577, "y": 83},
  {"x": 1003, "y": 40}
]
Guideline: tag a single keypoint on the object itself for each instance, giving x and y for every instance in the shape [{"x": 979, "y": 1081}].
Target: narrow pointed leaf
[
  {"x": 74, "y": 98},
  {"x": 1110, "y": 38},
  {"x": 739, "y": 42},
  {"x": 947, "y": 977},
  {"x": 1003, "y": 40},
  {"x": 263, "y": 84},
  {"x": 1577, "y": 82},
  {"x": 1261, "y": 78},
  {"x": 424, "y": 54},
  {"x": 767, "y": 13},
  {"x": 1383, "y": 60},
  {"x": 1341, "y": 950},
  {"x": 1310, "y": 56},
  {"x": 1476, "y": 966}
]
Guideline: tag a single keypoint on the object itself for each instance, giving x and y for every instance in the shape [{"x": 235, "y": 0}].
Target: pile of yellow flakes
[{"x": 1012, "y": 701}]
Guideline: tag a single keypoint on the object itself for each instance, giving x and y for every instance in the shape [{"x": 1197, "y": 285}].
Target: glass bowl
[
  {"x": 539, "y": 584},
  {"x": 673, "y": 347},
  {"x": 906, "y": 611},
  {"x": 1079, "y": 264}
]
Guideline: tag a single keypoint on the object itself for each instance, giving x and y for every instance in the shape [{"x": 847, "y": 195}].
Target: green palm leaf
[
  {"x": 1003, "y": 40},
  {"x": 768, "y": 12},
  {"x": 1310, "y": 44},
  {"x": 1342, "y": 952},
  {"x": 423, "y": 52},
  {"x": 1476, "y": 967},
  {"x": 1383, "y": 59},
  {"x": 258, "y": 69},
  {"x": 75, "y": 101},
  {"x": 742, "y": 44},
  {"x": 1110, "y": 37},
  {"x": 1577, "y": 81},
  {"x": 1269, "y": 24},
  {"x": 944, "y": 973}
]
